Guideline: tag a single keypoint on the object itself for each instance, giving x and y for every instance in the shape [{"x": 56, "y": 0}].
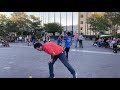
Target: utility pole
[
  {"x": 66, "y": 22},
  {"x": 54, "y": 17},
  {"x": 72, "y": 23},
  {"x": 60, "y": 18}
]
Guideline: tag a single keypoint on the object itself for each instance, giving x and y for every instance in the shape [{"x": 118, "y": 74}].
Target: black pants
[
  {"x": 63, "y": 59},
  {"x": 44, "y": 41},
  {"x": 115, "y": 49},
  {"x": 66, "y": 51},
  {"x": 80, "y": 44}
]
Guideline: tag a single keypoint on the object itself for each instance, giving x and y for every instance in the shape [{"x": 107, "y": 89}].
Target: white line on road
[
  {"x": 97, "y": 52},
  {"x": 6, "y": 68},
  {"x": 11, "y": 62},
  {"x": 21, "y": 46},
  {"x": 85, "y": 51}
]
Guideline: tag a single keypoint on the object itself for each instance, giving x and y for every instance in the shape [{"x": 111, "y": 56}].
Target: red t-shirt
[{"x": 51, "y": 47}]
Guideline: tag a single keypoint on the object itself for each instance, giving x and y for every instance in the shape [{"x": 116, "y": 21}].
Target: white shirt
[
  {"x": 20, "y": 37},
  {"x": 80, "y": 37}
]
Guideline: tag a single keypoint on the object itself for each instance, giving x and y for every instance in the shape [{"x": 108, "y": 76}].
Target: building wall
[
  {"x": 118, "y": 31},
  {"x": 84, "y": 27},
  {"x": 69, "y": 29}
]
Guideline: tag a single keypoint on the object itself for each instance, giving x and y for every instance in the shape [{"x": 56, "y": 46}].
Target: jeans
[
  {"x": 63, "y": 59},
  {"x": 80, "y": 44},
  {"x": 98, "y": 44},
  {"x": 76, "y": 43},
  {"x": 67, "y": 50},
  {"x": 44, "y": 41},
  {"x": 33, "y": 41}
]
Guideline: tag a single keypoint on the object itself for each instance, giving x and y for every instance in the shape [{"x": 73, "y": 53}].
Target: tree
[
  {"x": 20, "y": 23},
  {"x": 98, "y": 23},
  {"x": 35, "y": 24},
  {"x": 114, "y": 20},
  {"x": 3, "y": 22},
  {"x": 53, "y": 27}
]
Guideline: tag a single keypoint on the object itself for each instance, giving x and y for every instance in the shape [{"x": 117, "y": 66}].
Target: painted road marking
[
  {"x": 11, "y": 62},
  {"x": 21, "y": 46},
  {"x": 96, "y": 52},
  {"x": 84, "y": 51},
  {"x": 6, "y": 68}
]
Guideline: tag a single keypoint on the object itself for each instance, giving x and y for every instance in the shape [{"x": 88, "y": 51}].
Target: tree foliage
[
  {"x": 109, "y": 21},
  {"x": 19, "y": 22},
  {"x": 53, "y": 27}
]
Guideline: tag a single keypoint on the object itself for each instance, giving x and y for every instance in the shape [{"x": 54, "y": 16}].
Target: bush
[
  {"x": 116, "y": 36},
  {"x": 90, "y": 36}
]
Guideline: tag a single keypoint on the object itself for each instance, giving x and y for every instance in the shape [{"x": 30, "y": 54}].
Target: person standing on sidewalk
[
  {"x": 76, "y": 39},
  {"x": 80, "y": 38},
  {"x": 33, "y": 39},
  {"x": 44, "y": 38},
  {"x": 68, "y": 41},
  {"x": 48, "y": 38},
  {"x": 56, "y": 52}
]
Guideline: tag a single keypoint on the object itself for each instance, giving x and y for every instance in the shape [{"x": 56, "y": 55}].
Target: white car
[{"x": 105, "y": 35}]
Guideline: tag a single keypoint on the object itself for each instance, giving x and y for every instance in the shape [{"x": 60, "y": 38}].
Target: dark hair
[
  {"x": 37, "y": 45},
  {"x": 69, "y": 34}
]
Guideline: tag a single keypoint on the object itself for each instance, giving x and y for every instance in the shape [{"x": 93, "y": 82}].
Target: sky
[{"x": 51, "y": 17}]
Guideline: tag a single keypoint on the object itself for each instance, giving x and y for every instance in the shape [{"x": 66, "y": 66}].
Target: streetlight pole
[
  {"x": 60, "y": 18},
  {"x": 48, "y": 17},
  {"x": 45, "y": 17},
  {"x": 66, "y": 21},
  {"x": 87, "y": 24},
  {"x": 39, "y": 17},
  {"x": 54, "y": 17},
  {"x": 72, "y": 23}
]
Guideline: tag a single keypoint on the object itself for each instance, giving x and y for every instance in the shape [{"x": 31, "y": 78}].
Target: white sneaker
[
  {"x": 75, "y": 76},
  {"x": 51, "y": 77},
  {"x": 30, "y": 76}
]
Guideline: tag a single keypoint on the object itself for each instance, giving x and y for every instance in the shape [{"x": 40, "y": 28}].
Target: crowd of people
[
  {"x": 61, "y": 50},
  {"x": 78, "y": 38},
  {"x": 4, "y": 42},
  {"x": 34, "y": 39},
  {"x": 108, "y": 42},
  {"x": 67, "y": 39},
  {"x": 29, "y": 39}
]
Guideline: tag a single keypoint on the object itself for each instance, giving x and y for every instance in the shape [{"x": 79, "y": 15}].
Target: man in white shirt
[
  {"x": 80, "y": 38},
  {"x": 20, "y": 38},
  {"x": 113, "y": 41}
]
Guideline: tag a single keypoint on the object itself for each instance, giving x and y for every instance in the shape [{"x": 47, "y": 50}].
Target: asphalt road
[{"x": 20, "y": 61}]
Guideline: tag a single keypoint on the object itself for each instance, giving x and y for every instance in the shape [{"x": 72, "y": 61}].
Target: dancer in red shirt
[{"x": 56, "y": 52}]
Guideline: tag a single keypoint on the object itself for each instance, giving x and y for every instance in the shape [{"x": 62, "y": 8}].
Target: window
[
  {"x": 81, "y": 28},
  {"x": 82, "y": 16},
  {"x": 81, "y": 22}
]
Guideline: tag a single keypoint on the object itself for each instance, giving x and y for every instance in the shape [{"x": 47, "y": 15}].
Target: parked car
[{"x": 105, "y": 35}]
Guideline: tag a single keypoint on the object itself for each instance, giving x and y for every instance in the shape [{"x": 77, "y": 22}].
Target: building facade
[
  {"x": 69, "y": 29},
  {"x": 83, "y": 27}
]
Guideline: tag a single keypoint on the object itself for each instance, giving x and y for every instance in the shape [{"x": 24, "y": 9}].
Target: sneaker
[
  {"x": 75, "y": 75},
  {"x": 51, "y": 77}
]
